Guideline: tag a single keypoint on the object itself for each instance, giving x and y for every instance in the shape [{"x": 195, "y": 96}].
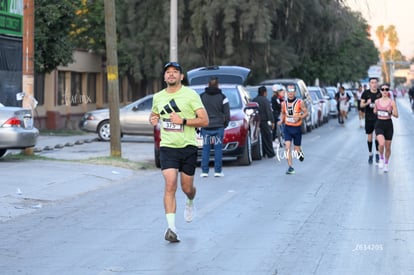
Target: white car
[
  {"x": 324, "y": 100},
  {"x": 333, "y": 109}
]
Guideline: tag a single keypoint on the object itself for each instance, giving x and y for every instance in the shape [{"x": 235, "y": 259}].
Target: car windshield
[
  {"x": 203, "y": 79},
  {"x": 314, "y": 96},
  {"x": 232, "y": 95},
  {"x": 317, "y": 92}
]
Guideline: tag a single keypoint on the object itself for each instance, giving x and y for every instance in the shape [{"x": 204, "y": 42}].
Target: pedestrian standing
[
  {"x": 276, "y": 100},
  {"x": 294, "y": 112},
  {"x": 218, "y": 110},
  {"x": 267, "y": 122},
  {"x": 385, "y": 108},
  {"x": 179, "y": 111},
  {"x": 368, "y": 98}
]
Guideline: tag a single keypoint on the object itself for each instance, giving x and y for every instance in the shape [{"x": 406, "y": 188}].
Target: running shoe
[
  {"x": 203, "y": 175},
  {"x": 381, "y": 163},
  {"x": 301, "y": 155},
  {"x": 189, "y": 211},
  {"x": 290, "y": 171},
  {"x": 171, "y": 236},
  {"x": 386, "y": 168},
  {"x": 370, "y": 159},
  {"x": 219, "y": 175},
  {"x": 377, "y": 158}
]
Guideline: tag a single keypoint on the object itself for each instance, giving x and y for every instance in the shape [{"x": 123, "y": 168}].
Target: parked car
[
  {"x": 301, "y": 92},
  {"x": 333, "y": 109},
  {"x": 317, "y": 113},
  {"x": 133, "y": 119},
  {"x": 242, "y": 139},
  {"x": 17, "y": 129},
  {"x": 323, "y": 99},
  {"x": 253, "y": 91}
]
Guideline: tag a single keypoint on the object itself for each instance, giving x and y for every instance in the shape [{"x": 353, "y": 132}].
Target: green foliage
[
  {"x": 88, "y": 29},
  {"x": 275, "y": 38},
  {"x": 53, "y": 44}
]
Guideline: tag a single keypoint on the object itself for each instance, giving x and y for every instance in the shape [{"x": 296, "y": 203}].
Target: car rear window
[
  {"x": 232, "y": 95},
  {"x": 203, "y": 79}
]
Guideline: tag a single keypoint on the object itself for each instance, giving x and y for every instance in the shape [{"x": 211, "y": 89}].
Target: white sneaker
[
  {"x": 381, "y": 163},
  {"x": 386, "y": 168},
  {"x": 203, "y": 175},
  {"x": 219, "y": 175},
  {"x": 189, "y": 212}
]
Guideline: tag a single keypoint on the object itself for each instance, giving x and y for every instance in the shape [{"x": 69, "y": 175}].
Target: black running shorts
[{"x": 183, "y": 159}]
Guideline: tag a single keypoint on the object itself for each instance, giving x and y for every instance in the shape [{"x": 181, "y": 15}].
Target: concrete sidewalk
[{"x": 30, "y": 185}]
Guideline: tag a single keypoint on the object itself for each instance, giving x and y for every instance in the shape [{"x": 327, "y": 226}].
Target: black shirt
[{"x": 369, "y": 111}]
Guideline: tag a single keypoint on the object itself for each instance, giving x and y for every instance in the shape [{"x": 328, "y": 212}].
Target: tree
[
  {"x": 393, "y": 39},
  {"x": 53, "y": 25},
  {"x": 381, "y": 35}
]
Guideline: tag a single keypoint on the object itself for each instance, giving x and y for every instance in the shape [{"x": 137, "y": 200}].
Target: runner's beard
[{"x": 173, "y": 82}]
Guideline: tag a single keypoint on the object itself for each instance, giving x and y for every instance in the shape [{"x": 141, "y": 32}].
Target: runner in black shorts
[
  {"x": 183, "y": 159},
  {"x": 385, "y": 108},
  {"x": 368, "y": 98}
]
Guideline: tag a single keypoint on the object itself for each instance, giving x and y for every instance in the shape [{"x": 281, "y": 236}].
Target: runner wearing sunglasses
[{"x": 385, "y": 108}]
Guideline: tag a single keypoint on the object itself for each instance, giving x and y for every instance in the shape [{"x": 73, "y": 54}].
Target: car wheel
[
  {"x": 157, "y": 158},
  {"x": 246, "y": 158},
  {"x": 2, "y": 152},
  {"x": 104, "y": 131},
  {"x": 257, "y": 150}
]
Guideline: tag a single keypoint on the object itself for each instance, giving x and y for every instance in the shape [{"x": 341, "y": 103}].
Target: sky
[{"x": 399, "y": 13}]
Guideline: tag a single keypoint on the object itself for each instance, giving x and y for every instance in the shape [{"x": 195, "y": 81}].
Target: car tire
[
  {"x": 257, "y": 150},
  {"x": 246, "y": 157},
  {"x": 104, "y": 131},
  {"x": 157, "y": 158},
  {"x": 2, "y": 152}
]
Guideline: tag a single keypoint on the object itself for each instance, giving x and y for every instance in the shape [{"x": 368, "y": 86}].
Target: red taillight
[{"x": 12, "y": 122}]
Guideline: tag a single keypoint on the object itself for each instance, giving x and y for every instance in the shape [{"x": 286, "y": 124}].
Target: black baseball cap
[{"x": 173, "y": 64}]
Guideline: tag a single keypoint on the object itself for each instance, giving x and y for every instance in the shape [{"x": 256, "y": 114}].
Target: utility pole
[
  {"x": 112, "y": 76},
  {"x": 173, "y": 31},
  {"x": 28, "y": 59}
]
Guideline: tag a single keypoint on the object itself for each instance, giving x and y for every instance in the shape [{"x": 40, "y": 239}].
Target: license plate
[{"x": 28, "y": 122}]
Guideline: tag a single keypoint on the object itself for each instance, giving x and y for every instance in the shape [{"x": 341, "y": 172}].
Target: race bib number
[
  {"x": 290, "y": 119},
  {"x": 172, "y": 127},
  {"x": 383, "y": 113}
]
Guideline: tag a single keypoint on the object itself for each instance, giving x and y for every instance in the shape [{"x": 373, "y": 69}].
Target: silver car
[
  {"x": 133, "y": 120},
  {"x": 16, "y": 129}
]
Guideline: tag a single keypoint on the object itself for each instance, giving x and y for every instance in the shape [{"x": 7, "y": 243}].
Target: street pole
[
  {"x": 112, "y": 76},
  {"x": 28, "y": 60},
  {"x": 174, "y": 31}
]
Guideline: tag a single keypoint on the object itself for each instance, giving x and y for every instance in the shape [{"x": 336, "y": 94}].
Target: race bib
[
  {"x": 290, "y": 119},
  {"x": 172, "y": 127},
  {"x": 383, "y": 113}
]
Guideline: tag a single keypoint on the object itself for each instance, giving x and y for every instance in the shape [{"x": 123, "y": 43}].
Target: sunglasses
[{"x": 385, "y": 89}]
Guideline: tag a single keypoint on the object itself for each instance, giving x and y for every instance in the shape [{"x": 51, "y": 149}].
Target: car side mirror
[{"x": 135, "y": 108}]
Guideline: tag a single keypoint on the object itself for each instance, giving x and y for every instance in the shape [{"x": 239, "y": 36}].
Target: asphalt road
[{"x": 336, "y": 215}]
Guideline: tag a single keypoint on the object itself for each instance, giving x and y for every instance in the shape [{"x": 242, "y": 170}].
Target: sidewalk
[
  {"x": 135, "y": 148},
  {"x": 29, "y": 185}
]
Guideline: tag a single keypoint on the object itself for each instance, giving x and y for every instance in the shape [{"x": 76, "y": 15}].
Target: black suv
[{"x": 301, "y": 92}]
